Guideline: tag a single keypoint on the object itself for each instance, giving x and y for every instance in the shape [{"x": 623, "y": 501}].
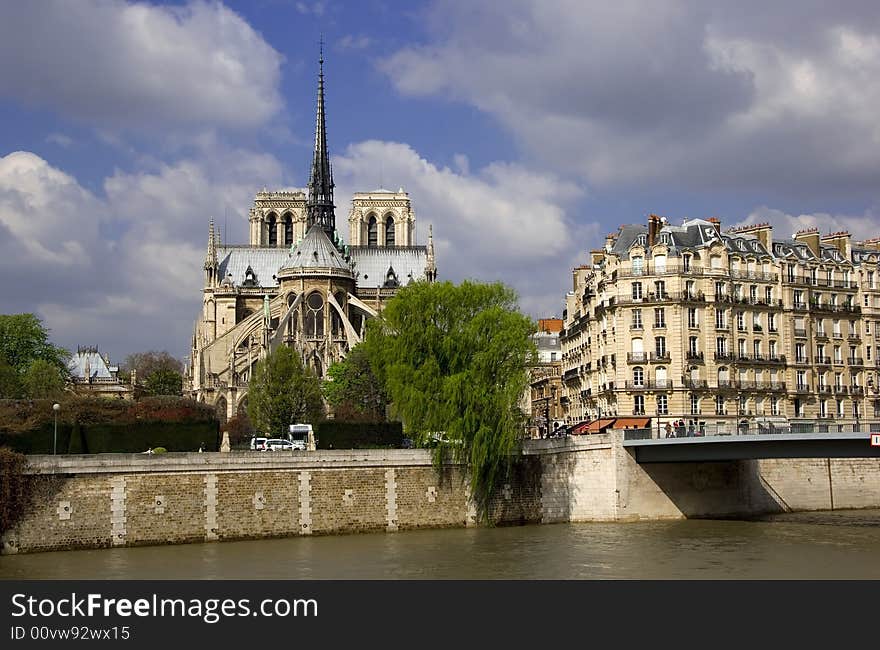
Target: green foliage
[
  {"x": 91, "y": 425},
  {"x": 333, "y": 434},
  {"x": 164, "y": 382},
  {"x": 282, "y": 392},
  {"x": 353, "y": 389},
  {"x": 30, "y": 366},
  {"x": 159, "y": 450},
  {"x": 10, "y": 381},
  {"x": 23, "y": 339},
  {"x": 43, "y": 380},
  {"x": 453, "y": 360}
]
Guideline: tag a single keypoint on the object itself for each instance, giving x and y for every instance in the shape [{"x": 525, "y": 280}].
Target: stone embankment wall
[{"x": 131, "y": 499}]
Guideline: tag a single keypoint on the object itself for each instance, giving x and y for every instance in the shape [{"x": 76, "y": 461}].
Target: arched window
[
  {"x": 372, "y": 232},
  {"x": 313, "y": 317},
  {"x": 273, "y": 230},
  {"x": 389, "y": 230},
  {"x": 288, "y": 230},
  {"x": 638, "y": 376}
]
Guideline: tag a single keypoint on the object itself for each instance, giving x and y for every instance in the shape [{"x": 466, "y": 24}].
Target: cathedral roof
[
  {"x": 372, "y": 264},
  {"x": 315, "y": 251},
  {"x": 89, "y": 358}
]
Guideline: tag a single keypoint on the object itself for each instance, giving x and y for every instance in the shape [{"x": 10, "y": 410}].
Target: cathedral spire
[
  {"x": 211, "y": 257},
  {"x": 430, "y": 262},
  {"x": 319, "y": 209}
]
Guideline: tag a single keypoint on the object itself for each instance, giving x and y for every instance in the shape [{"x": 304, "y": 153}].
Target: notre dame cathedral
[{"x": 297, "y": 282}]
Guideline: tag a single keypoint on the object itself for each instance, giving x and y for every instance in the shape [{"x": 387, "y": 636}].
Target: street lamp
[{"x": 55, "y": 407}]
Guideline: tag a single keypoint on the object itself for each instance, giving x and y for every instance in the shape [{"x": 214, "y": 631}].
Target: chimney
[
  {"x": 716, "y": 222},
  {"x": 873, "y": 243},
  {"x": 653, "y": 228},
  {"x": 810, "y": 237},
  {"x": 610, "y": 238},
  {"x": 842, "y": 241},
  {"x": 597, "y": 257}
]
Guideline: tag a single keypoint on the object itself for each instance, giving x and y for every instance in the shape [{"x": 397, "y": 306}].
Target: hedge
[
  {"x": 333, "y": 434},
  {"x": 95, "y": 426}
]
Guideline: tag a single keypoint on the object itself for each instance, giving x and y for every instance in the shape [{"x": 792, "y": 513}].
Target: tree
[
  {"x": 164, "y": 382},
  {"x": 283, "y": 392},
  {"x": 354, "y": 391},
  {"x": 24, "y": 341},
  {"x": 147, "y": 363},
  {"x": 43, "y": 380},
  {"x": 453, "y": 360}
]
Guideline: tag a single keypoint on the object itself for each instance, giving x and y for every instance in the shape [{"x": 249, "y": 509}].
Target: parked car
[
  {"x": 277, "y": 444},
  {"x": 258, "y": 444}
]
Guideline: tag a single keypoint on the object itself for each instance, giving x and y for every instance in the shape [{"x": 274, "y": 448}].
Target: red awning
[{"x": 632, "y": 423}]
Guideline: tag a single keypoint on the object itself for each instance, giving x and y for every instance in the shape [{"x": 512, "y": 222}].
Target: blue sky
[{"x": 524, "y": 131}]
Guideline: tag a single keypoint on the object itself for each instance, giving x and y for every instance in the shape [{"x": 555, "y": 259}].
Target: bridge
[{"x": 747, "y": 446}]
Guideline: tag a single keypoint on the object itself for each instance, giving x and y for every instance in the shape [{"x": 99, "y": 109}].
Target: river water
[{"x": 816, "y": 545}]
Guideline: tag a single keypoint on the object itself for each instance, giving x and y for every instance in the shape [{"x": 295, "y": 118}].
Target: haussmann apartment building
[{"x": 725, "y": 330}]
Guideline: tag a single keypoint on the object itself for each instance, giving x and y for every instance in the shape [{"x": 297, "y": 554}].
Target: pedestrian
[
  {"x": 679, "y": 429},
  {"x": 669, "y": 431},
  {"x": 691, "y": 430}
]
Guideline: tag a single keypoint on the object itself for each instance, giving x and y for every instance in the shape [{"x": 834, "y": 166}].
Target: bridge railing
[{"x": 713, "y": 429}]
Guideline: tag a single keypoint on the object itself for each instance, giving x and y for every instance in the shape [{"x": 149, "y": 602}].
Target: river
[{"x": 815, "y": 545}]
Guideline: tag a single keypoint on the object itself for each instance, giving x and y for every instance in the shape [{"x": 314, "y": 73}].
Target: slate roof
[
  {"x": 315, "y": 251},
  {"x": 98, "y": 368},
  {"x": 372, "y": 264}
]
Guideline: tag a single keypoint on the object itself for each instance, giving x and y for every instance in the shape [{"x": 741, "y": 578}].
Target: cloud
[
  {"x": 861, "y": 227},
  {"x": 314, "y": 8},
  {"x": 350, "y": 42},
  {"x": 122, "y": 270},
  {"x": 60, "y": 139},
  {"x": 709, "y": 96},
  {"x": 504, "y": 222},
  {"x": 113, "y": 63}
]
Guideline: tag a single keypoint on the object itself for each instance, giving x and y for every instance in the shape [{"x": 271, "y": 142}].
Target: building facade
[
  {"x": 542, "y": 402},
  {"x": 724, "y": 330},
  {"x": 297, "y": 282},
  {"x": 91, "y": 373}
]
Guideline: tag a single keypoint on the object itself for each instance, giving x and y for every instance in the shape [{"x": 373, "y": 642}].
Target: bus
[{"x": 302, "y": 436}]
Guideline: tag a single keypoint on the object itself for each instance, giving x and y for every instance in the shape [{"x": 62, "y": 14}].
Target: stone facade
[
  {"x": 725, "y": 330},
  {"x": 130, "y": 500}
]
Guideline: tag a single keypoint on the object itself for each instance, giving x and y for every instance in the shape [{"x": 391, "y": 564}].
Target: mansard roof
[
  {"x": 372, "y": 264},
  {"x": 98, "y": 368}
]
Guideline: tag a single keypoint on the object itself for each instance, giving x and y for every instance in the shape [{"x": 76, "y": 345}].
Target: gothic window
[
  {"x": 273, "y": 230},
  {"x": 372, "y": 232},
  {"x": 389, "y": 230},
  {"x": 288, "y": 230},
  {"x": 313, "y": 321}
]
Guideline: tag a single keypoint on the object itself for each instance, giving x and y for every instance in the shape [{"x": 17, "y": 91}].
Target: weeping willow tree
[{"x": 453, "y": 361}]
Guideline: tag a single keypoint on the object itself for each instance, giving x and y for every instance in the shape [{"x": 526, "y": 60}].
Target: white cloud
[
  {"x": 116, "y": 63},
  {"x": 503, "y": 223},
  {"x": 702, "y": 95},
  {"x": 861, "y": 227},
  {"x": 123, "y": 270}
]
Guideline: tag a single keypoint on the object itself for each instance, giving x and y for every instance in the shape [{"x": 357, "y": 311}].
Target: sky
[{"x": 524, "y": 131}]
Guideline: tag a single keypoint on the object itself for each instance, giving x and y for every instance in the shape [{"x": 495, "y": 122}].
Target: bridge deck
[{"x": 744, "y": 447}]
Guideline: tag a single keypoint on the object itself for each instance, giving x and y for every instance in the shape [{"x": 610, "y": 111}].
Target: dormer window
[{"x": 642, "y": 240}]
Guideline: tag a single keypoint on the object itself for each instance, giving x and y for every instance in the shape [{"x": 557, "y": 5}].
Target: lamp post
[{"x": 55, "y": 407}]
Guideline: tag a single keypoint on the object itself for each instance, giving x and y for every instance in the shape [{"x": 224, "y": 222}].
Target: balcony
[
  {"x": 569, "y": 375},
  {"x": 727, "y": 357},
  {"x": 799, "y": 306},
  {"x": 663, "y": 384},
  {"x": 823, "y": 361},
  {"x": 693, "y": 355},
  {"x": 841, "y": 390},
  {"x": 802, "y": 360},
  {"x": 835, "y": 309},
  {"x": 800, "y": 332},
  {"x": 754, "y": 275},
  {"x": 857, "y": 390},
  {"x": 694, "y": 383},
  {"x": 802, "y": 388},
  {"x": 821, "y": 334},
  {"x": 638, "y": 411},
  {"x": 825, "y": 390},
  {"x": 855, "y": 361}
]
